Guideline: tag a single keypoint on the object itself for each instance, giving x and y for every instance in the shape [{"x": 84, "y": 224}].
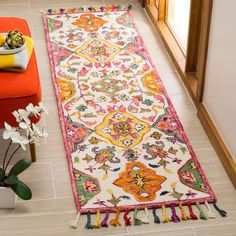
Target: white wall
[{"x": 220, "y": 84}]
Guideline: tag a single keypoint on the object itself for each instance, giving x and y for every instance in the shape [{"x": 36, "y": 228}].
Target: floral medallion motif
[
  {"x": 66, "y": 89},
  {"x": 98, "y": 51},
  {"x": 124, "y": 20},
  {"x": 140, "y": 181},
  {"x": 76, "y": 133},
  {"x": 167, "y": 124},
  {"x": 109, "y": 86},
  {"x": 87, "y": 186},
  {"x": 150, "y": 82},
  {"x": 190, "y": 176},
  {"x": 59, "y": 53},
  {"x": 122, "y": 129},
  {"x": 54, "y": 24},
  {"x": 89, "y": 22}
]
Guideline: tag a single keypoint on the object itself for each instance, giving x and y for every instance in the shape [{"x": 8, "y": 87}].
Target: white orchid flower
[
  {"x": 22, "y": 140},
  {"x": 24, "y": 115},
  {"x": 31, "y": 109},
  {"x": 17, "y": 116},
  {"x": 23, "y": 125},
  {"x": 21, "y": 115},
  {"x": 36, "y": 130},
  {"x": 33, "y": 134},
  {"x": 9, "y": 131},
  {"x": 43, "y": 108}
]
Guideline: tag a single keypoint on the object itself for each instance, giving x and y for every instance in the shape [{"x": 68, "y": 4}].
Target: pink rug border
[{"x": 173, "y": 112}]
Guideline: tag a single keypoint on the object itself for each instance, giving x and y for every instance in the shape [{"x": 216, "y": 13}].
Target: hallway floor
[{"x": 52, "y": 206}]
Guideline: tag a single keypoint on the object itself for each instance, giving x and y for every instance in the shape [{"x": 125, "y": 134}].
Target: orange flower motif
[
  {"x": 163, "y": 125},
  {"x": 140, "y": 181},
  {"x": 89, "y": 22}
]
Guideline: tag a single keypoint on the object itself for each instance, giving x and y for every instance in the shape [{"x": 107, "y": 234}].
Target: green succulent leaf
[
  {"x": 22, "y": 190},
  {"x": 13, "y": 179},
  {"x": 19, "y": 167},
  {"x": 2, "y": 174}
]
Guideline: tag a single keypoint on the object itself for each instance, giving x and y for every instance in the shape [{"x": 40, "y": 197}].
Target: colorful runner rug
[{"x": 125, "y": 145}]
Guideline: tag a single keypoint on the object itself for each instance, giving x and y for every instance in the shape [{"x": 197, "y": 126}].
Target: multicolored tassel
[
  {"x": 184, "y": 217},
  {"x": 95, "y": 8},
  {"x": 202, "y": 215},
  {"x": 174, "y": 216},
  {"x": 88, "y": 224},
  {"x": 62, "y": 10},
  {"x": 156, "y": 218},
  {"x": 97, "y": 223},
  {"x": 165, "y": 218},
  {"x": 104, "y": 222},
  {"x": 81, "y": 9},
  {"x": 126, "y": 218},
  {"x": 90, "y": 8},
  {"x": 115, "y": 221},
  {"x": 113, "y": 7},
  {"x": 73, "y": 224},
  {"x": 210, "y": 214},
  {"x": 137, "y": 221},
  {"x": 221, "y": 212},
  {"x": 102, "y": 8},
  {"x": 192, "y": 216},
  {"x": 145, "y": 219}
]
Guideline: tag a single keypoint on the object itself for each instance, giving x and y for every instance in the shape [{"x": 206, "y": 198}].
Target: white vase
[{"x": 7, "y": 198}]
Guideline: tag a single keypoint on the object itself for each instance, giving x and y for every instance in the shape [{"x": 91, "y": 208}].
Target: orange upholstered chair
[{"x": 18, "y": 89}]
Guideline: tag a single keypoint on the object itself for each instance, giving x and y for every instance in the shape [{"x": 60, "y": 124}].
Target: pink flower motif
[
  {"x": 56, "y": 24},
  {"x": 190, "y": 194},
  {"x": 90, "y": 186},
  {"x": 188, "y": 176}
]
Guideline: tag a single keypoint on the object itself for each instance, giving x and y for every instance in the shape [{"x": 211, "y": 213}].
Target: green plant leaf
[
  {"x": 22, "y": 190},
  {"x": 2, "y": 174},
  {"x": 19, "y": 167},
  {"x": 13, "y": 179}
]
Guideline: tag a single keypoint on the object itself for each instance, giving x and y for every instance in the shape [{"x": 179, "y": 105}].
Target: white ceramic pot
[{"x": 7, "y": 198}]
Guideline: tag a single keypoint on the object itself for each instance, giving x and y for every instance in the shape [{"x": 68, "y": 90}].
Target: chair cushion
[{"x": 18, "y": 89}]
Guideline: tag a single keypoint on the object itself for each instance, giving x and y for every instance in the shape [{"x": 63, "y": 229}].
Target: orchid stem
[
  {"x": 11, "y": 157},
  {"x": 5, "y": 156}
]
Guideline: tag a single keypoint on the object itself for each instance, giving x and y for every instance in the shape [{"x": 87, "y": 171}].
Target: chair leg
[{"x": 32, "y": 152}]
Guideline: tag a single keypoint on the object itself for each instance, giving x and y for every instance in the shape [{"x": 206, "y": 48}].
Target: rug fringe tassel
[
  {"x": 97, "y": 223},
  {"x": 221, "y": 212},
  {"x": 103, "y": 8},
  {"x": 136, "y": 220},
  {"x": 210, "y": 214},
  {"x": 192, "y": 216},
  {"x": 165, "y": 218},
  {"x": 156, "y": 218},
  {"x": 73, "y": 224},
  {"x": 88, "y": 224},
  {"x": 104, "y": 222},
  {"x": 175, "y": 218},
  {"x": 184, "y": 217},
  {"x": 202, "y": 215},
  {"x": 146, "y": 219},
  {"x": 115, "y": 221},
  {"x": 126, "y": 218}
]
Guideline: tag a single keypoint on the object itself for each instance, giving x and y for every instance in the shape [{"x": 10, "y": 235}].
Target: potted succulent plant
[{"x": 26, "y": 132}]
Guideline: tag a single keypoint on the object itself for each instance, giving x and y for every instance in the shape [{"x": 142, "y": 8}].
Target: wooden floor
[{"x": 52, "y": 206}]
